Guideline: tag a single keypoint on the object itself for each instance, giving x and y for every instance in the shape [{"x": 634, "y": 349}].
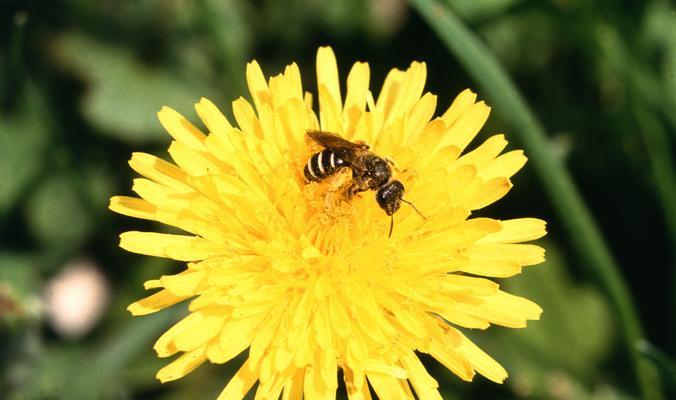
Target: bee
[{"x": 369, "y": 171}]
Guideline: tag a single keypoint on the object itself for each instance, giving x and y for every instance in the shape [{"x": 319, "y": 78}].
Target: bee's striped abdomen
[{"x": 322, "y": 165}]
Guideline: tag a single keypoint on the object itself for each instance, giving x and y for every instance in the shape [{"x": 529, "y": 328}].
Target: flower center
[{"x": 331, "y": 212}]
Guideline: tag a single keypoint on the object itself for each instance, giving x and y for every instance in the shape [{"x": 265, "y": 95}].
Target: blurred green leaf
[
  {"x": 123, "y": 94},
  {"x": 341, "y": 18},
  {"x": 512, "y": 41},
  {"x": 633, "y": 71},
  {"x": 108, "y": 363},
  {"x": 23, "y": 142},
  {"x": 20, "y": 272},
  {"x": 660, "y": 31},
  {"x": 97, "y": 182},
  {"x": 229, "y": 32},
  {"x": 73, "y": 371},
  {"x": 46, "y": 380},
  {"x": 56, "y": 214}
]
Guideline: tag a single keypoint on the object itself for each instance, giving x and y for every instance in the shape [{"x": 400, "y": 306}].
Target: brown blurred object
[
  {"x": 8, "y": 303},
  {"x": 388, "y": 16}
]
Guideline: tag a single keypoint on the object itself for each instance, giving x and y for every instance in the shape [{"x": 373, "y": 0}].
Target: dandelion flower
[{"x": 306, "y": 282}]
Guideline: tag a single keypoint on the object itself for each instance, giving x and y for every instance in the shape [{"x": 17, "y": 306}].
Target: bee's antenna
[
  {"x": 391, "y": 225},
  {"x": 414, "y": 207}
]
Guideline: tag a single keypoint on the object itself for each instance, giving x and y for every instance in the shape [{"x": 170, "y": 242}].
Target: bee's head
[{"x": 389, "y": 196}]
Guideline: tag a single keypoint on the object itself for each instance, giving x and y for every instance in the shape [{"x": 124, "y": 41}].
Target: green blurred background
[{"x": 81, "y": 81}]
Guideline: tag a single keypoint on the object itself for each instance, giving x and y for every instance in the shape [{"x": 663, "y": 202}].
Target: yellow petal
[
  {"x": 482, "y": 362},
  {"x": 181, "y": 129},
  {"x": 193, "y": 162},
  {"x": 468, "y": 124},
  {"x": 327, "y": 78},
  {"x": 339, "y": 316},
  {"x": 380, "y": 368},
  {"x": 154, "y": 303},
  {"x": 489, "y": 192},
  {"x": 408, "y": 92},
  {"x": 388, "y": 388},
  {"x": 164, "y": 346},
  {"x": 504, "y": 309},
  {"x": 501, "y": 260},
  {"x": 307, "y": 100},
  {"x": 357, "y": 89},
  {"x": 477, "y": 286},
  {"x": 203, "y": 331},
  {"x": 183, "y": 365},
  {"x": 330, "y": 114},
  {"x": 460, "y": 105},
  {"x": 323, "y": 329},
  {"x": 262, "y": 339},
  {"x": 424, "y": 385},
  {"x": 315, "y": 387},
  {"x": 160, "y": 171},
  {"x": 419, "y": 116},
  {"x": 429, "y": 148},
  {"x": 524, "y": 254},
  {"x": 485, "y": 153},
  {"x": 183, "y": 248},
  {"x": 240, "y": 384},
  {"x": 151, "y": 191},
  {"x": 454, "y": 361},
  {"x": 212, "y": 117},
  {"x": 505, "y": 165},
  {"x": 152, "y": 284},
  {"x": 246, "y": 118},
  {"x": 459, "y": 317},
  {"x": 132, "y": 207},
  {"x": 293, "y": 85},
  {"x": 293, "y": 389},
  {"x": 517, "y": 230},
  {"x": 328, "y": 371},
  {"x": 236, "y": 336},
  {"x": 389, "y": 92},
  {"x": 269, "y": 387},
  {"x": 185, "y": 283},
  {"x": 257, "y": 85},
  {"x": 355, "y": 385}
]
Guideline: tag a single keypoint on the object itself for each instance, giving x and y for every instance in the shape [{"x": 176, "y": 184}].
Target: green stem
[{"x": 573, "y": 213}]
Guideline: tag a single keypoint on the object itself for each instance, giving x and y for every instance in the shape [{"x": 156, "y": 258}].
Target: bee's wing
[{"x": 332, "y": 141}]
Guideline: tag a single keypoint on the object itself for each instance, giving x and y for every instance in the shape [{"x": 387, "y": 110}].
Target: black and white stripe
[{"x": 322, "y": 165}]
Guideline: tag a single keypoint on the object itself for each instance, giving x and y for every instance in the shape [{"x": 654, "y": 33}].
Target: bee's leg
[{"x": 354, "y": 189}]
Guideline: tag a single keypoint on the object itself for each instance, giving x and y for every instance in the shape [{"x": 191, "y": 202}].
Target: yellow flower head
[{"x": 308, "y": 280}]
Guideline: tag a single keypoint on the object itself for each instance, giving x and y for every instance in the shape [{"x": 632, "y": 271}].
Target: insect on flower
[
  {"x": 289, "y": 273},
  {"x": 369, "y": 171}
]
